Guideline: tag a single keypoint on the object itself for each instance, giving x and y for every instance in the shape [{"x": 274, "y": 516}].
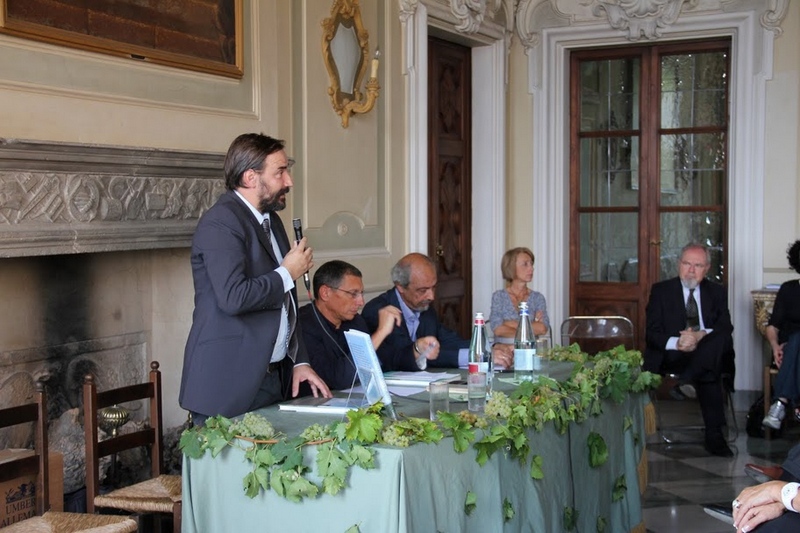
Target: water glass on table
[
  {"x": 542, "y": 354},
  {"x": 439, "y": 394},
  {"x": 476, "y": 391}
]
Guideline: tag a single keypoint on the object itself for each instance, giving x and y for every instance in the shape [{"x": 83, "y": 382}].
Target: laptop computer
[{"x": 369, "y": 373}]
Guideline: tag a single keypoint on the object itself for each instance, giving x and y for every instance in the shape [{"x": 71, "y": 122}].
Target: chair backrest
[
  {"x": 150, "y": 436},
  {"x": 35, "y": 464},
  {"x": 597, "y": 333}
]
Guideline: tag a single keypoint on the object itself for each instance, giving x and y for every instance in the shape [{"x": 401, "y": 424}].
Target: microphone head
[{"x": 296, "y": 224}]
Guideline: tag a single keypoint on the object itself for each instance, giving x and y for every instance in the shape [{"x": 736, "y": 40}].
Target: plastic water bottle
[
  {"x": 480, "y": 355},
  {"x": 524, "y": 346}
]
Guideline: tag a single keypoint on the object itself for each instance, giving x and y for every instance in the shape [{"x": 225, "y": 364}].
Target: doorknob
[{"x": 439, "y": 250}]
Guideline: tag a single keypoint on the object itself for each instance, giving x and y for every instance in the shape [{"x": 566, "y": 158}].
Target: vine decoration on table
[{"x": 278, "y": 463}]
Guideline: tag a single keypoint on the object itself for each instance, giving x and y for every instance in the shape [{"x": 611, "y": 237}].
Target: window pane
[
  {"x": 693, "y": 89},
  {"x": 679, "y": 229},
  {"x": 609, "y": 172},
  {"x": 608, "y": 246},
  {"x": 693, "y": 169},
  {"x": 610, "y": 95}
]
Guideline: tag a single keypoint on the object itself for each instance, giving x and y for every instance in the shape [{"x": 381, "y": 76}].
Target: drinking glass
[
  {"x": 439, "y": 393},
  {"x": 476, "y": 391}
]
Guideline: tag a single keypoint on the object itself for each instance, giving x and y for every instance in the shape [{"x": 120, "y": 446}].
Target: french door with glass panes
[{"x": 648, "y": 170}]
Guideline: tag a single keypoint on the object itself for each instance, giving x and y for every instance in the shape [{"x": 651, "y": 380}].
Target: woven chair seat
[
  {"x": 156, "y": 495},
  {"x": 56, "y": 522}
]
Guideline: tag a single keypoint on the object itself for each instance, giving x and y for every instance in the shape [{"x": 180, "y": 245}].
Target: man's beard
[
  {"x": 690, "y": 283},
  {"x": 273, "y": 203},
  {"x": 422, "y": 307}
]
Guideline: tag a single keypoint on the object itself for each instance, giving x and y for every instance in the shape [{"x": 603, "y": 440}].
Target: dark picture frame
[{"x": 198, "y": 35}]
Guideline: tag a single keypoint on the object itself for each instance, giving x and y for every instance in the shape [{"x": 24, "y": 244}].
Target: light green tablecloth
[{"x": 422, "y": 488}]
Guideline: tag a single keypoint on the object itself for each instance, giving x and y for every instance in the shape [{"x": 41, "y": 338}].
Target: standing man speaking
[{"x": 244, "y": 350}]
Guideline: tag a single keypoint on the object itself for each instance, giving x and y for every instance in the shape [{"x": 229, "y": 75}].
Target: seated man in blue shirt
[
  {"x": 338, "y": 295},
  {"x": 419, "y": 339}
]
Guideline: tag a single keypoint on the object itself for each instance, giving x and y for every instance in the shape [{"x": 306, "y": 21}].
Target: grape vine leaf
[
  {"x": 602, "y": 525},
  {"x": 536, "y": 467},
  {"x": 364, "y": 426},
  {"x": 192, "y": 444},
  {"x": 462, "y": 432},
  {"x": 332, "y": 468},
  {"x": 508, "y": 510},
  {"x": 598, "y": 450},
  {"x": 620, "y": 489},
  {"x": 570, "y": 518},
  {"x": 470, "y": 503},
  {"x": 627, "y": 422}
]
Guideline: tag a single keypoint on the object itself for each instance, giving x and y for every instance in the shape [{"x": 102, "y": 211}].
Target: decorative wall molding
[
  {"x": 638, "y": 19},
  {"x": 642, "y": 18},
  {"x": 477, "y": 18},
  {"x": 69, "y": 198}
]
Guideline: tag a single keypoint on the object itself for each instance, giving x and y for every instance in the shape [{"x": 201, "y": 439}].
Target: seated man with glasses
[
  {"x": 689, "y": 332},
  {"x": 338, "y": 296}
]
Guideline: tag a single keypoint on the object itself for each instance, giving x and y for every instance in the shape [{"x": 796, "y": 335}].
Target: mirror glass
[{"x": 346, "y": 56}]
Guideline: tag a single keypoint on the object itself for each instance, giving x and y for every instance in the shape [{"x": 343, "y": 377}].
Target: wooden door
[
  {"x": 648, "y": 171},
  {"x": 450, "y": 180}
]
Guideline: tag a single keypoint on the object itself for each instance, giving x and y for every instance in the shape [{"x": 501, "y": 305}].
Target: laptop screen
[{"x": 369, "y": 369}]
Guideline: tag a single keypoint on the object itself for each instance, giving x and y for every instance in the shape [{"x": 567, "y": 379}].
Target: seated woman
[
  {"x": 783, "y": 334},
  {"x": 517, "y": 269}
]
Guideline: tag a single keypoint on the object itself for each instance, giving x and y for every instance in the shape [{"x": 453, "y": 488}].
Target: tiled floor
[{"x": 684, "y": 477}]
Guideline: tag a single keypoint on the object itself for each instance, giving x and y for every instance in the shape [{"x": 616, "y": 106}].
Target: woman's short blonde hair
[{"x": 508, "y": 265}]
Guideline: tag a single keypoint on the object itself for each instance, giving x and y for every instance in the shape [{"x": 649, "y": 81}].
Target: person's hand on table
[
  {"x": 503, "y": 355},
  {"x": 306, "y": 373}
]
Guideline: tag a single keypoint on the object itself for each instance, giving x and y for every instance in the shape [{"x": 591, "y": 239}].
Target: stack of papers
[{"x": 416, "y": 379}]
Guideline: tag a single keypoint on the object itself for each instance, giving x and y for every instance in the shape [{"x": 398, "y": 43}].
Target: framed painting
[{"x": 199, "y": 35}]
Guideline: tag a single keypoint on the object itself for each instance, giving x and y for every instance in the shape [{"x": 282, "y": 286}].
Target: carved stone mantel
[{"x": 61, "y": 198}]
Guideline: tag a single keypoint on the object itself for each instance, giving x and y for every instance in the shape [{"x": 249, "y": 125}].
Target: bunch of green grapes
[
  {"x": 315, "y": 432},
  {"x": 253, "y": 426},
  {"x": 468, "y": 417},
  {"x": 602, "y": 365},
  {"x": 498, "y": 405},
  {"x": 393, "y": 435}
]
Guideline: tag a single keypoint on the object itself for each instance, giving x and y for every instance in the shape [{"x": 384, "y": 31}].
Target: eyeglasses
[
  {"x": 352, "y": 294},
  {"x": 697, "y": 266}
]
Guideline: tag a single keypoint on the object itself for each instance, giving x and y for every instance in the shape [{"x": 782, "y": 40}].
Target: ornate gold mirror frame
[{"x": 345, "y": 49}]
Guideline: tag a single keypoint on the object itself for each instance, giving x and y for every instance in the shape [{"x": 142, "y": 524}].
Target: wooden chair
[
  {"x": 46, "y": 521},
  {"x": 159, "y": 494}
]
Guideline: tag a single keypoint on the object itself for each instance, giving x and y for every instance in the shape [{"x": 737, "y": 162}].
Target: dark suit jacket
[
  {"x": 237, "y": 310},
  {"x": 397, "y": 350},
  {"x": 327, "y": 348},
  {"x": 666, "y": 317}
]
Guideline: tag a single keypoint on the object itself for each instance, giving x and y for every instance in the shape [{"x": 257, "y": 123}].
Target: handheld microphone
[{"x": 298, "y": 236}]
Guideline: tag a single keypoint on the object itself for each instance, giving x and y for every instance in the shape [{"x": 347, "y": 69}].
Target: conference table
[{"x": 422, "y": 488}]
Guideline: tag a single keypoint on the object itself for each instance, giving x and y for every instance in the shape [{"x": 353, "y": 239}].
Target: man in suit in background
[
  {"x": 689, "y": 332},
  {"x": 338, "y": 296},
  {"x": 244, "y": 350}
]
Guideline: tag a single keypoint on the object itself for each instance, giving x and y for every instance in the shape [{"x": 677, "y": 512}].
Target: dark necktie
[
  {"x": 265, "y": 225},
  {"x": 692, "y": 316}
]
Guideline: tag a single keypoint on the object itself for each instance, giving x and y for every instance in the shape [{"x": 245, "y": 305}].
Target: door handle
[
  {"x": 654, "y": 242},
  {"x": 439, "y": 250}
]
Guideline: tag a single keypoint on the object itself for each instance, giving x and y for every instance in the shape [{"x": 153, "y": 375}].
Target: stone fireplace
[{"x": 79, "y": 227}]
